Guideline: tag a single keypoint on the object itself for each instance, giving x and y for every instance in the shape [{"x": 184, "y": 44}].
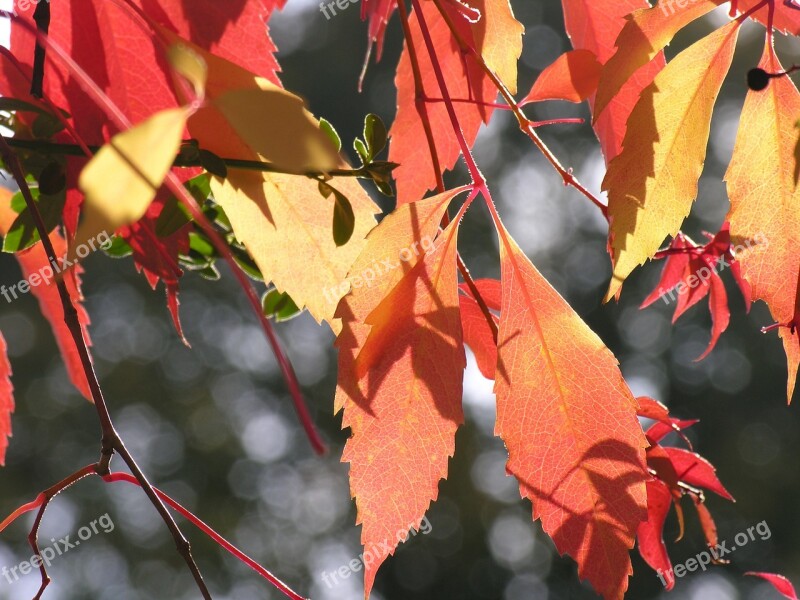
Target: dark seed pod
[{"x": 757, "y": 79}]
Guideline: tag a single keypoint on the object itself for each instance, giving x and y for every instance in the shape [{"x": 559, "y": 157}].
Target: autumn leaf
[
  {"x": 650, "y": 534},
  {"x": 645, "y": 34},
  {"x": 403, "y": 414},
  {"x": 786, "y": 19},
  {"x": 652, "y": 183},
  {"x": 122, "y": 179},
  {"x": 692, "y": 272},
  {"x": 6, "y": 400},
  {"x": 120, "y": 56},
  {"x": 569, "y": 422},
  {"x": 465, "y": 81},
  {"x": 277, "y": 215},
  {"x": 477, "y": 333},
  {"x": 697, "y": 471},
  {"x": 765, "y": 200},
  {"x": 779, "y": 582},
  {"x": 594, "y": 25},
  {"x": 39, "y": 275},
  {"x": 498, "y": 35},
  {"x": 572, "y": 77}
]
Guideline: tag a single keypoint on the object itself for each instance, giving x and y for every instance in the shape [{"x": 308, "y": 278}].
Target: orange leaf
[
  {"x": 6, "y": 400},
  {"x": 765, "y": 201},
  {"x": 37, "y": 269},
  {"x": 572, "y": 77},
  {"x": 499, "y": 36},
  {"x": 652, "y": 183},
  {"x": 569, "y": 422},
  {"x": 465, "y": 81},
  {"x": 403, "y": 414},
  {"x": 594, "y": 25},
  {"x": 646, "y": 33}
]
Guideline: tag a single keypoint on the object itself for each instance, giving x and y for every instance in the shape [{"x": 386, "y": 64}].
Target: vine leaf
[
  {"x": 569, "y": 422},
  {"x": 477, "y": 333},
  {"x": 499, "y": 36},
  {"x": 122, "y": 179},
  {"x": 276, "y": 215},
  {"x": 650, "y": 535},
  {"x": 779, "y": 582},
  {"x": 594, "y": 25},
  {"x": 645, "y": 34},
  {"x": 764, "y": 201},
  {"x": 652, "y": 183},
  {"x": 573, "y": 77},
  {"x": 35, "y": 269},
  {"x": 465, "y": 81},
  {"x": 404, "y": 413}
]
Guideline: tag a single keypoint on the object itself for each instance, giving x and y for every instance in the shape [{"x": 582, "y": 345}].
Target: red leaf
[
  {"x": 119, "y": 55},
  {"x": 6, "y": 400},
  {"x": 572, "y": 77},
  {"x": 157, "y": 257},
  {"x": 779, "y": 582},
  {"x": 490, "y": 290},
  {"x": 706, "y": 522},
  {"x": 650, "y": 535},
  {"x": 34, "y": 261},
  {"x": 658, "y": 431},
  {"x": 720, "y": 313},
  {"x": 697, "y": 471},
  {"x": 594, "y": 25},
  {"x": 465, "y": 80},
  {"x": 652, "y": 409},
  {"x": 478, "y": 336}
]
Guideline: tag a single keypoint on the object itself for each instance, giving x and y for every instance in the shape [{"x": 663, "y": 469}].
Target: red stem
[{"x": 202, "y": 526}]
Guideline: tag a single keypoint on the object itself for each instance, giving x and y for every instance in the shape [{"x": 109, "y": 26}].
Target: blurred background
[{"x": 213, "y": 425}]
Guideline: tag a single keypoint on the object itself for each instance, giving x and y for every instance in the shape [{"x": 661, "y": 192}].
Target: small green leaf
[
  {"x": 46, "y": 126},
  {"x": 329, "y": 130},
  {"x": 118, "y": 248},
  {"x": 362, "y": 151},
  {"x": 18, "y": 200},
  {"x": 344, "y": 220},
  {"x": 213, "y": 164},
  {"x": 279, "y": 306},
  {"x": 52, "y": 179},
  {"x": 23, "y": 232},
  {"x": 173, "y": 216},
  {"x": 210, "y": 272},
  {"x": 246, "y": 263},
  {"x": 201, "y": 244},
  {"x": 374, "y": 134}
]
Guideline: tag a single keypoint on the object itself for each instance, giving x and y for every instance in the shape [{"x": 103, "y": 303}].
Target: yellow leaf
[
  {"x": 275, "y": 125},
  {"x": 122, "y": 179},
  {"x": 652, "y": 183},
  {"x": 765, "y": 201},
  {"x": 282, "y": 220},
  {"x": 190, "y": 65},
  {"x": 285, "y": 224},
  {"x": 499, "y": 36}
]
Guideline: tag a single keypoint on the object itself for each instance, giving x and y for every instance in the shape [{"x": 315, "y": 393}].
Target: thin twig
[{"x": 110, "y": 441}]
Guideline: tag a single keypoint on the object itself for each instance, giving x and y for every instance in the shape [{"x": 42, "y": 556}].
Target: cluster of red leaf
[{"x": 692, "y": 272}]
